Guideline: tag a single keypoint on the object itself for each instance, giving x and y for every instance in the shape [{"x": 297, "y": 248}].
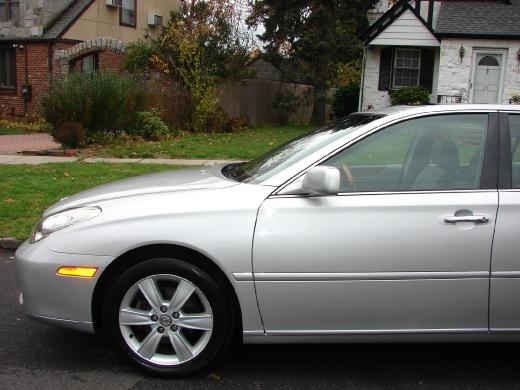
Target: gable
[{"x": 406, "y": 30}]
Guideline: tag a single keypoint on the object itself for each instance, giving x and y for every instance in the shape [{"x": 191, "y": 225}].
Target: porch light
[{"x": 462, "y": 51}]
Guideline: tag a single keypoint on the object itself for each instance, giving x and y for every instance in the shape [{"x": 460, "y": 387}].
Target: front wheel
[{"x": 168, "y": 316}]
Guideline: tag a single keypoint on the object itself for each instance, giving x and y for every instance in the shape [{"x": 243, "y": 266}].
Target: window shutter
[
  {"x": 385, "y": 69},
  {"x": 427, "y": 62}
]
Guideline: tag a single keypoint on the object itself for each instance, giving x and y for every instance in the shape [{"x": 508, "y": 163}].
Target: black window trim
[
  {"x": 505, "y": 175},
  {"x": 489, "y": 176},
  {"x": 15, "y": 79}
]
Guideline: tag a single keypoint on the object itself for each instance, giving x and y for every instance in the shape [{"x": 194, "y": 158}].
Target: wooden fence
[{"x": 254, "y": 99}]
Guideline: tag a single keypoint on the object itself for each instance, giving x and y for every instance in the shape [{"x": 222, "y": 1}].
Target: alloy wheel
[{"x": 165, "y": 319}]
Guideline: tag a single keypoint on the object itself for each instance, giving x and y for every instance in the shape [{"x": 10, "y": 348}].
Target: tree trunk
[{"x": 319, "y": 106}]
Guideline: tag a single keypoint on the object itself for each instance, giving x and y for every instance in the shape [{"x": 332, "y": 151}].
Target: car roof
[{"x": 442, "y": 107}]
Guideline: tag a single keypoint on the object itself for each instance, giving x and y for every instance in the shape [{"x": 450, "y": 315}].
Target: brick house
[
  {"x": 460, "y": 50},
  {"x": 42, "y": 39}
]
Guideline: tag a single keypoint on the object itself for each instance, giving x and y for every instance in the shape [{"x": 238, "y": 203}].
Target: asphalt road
[{"x": 37, "y": 356}]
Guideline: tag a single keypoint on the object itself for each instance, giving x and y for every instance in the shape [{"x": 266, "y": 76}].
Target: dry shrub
[{"x": 71, "y": 134}]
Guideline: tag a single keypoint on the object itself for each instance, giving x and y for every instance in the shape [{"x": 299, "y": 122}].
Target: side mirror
[{"x": 322, "y": 180}]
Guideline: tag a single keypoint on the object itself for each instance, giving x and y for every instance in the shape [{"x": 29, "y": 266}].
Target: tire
[{"x": 181, "y": 336}]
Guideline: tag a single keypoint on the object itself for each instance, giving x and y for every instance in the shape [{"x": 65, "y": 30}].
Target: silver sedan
[{"x": 399, "y": 225}]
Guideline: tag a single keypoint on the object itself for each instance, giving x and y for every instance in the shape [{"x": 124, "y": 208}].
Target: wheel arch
[{"x": 143, "y": 253}]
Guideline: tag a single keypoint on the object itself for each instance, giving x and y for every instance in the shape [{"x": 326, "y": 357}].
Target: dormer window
[{"x": 9, "y": 10}]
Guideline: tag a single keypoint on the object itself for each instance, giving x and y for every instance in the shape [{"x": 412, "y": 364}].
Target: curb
[{"x": 10, "y": 243}]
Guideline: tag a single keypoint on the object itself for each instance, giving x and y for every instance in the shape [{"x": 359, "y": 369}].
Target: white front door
[{"x": 488, "y": 69}]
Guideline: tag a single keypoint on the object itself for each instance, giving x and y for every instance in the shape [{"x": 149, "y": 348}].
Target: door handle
[{"x": 467, "y": 218}]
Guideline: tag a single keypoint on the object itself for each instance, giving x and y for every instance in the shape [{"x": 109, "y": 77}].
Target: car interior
[{"x": 417, "y": 155}]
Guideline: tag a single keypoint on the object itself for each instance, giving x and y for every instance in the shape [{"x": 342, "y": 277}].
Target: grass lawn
[
  {"x": 244, "y": 145},
  {"x": 8, "y": 130},
  {"x": 27, "y": 190}
]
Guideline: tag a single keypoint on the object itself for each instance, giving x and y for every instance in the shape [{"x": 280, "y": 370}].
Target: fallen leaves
[{"x": 214, "y": 376}]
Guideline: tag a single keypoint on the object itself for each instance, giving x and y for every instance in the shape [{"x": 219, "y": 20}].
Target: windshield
[{"x": 276, "y": 160}]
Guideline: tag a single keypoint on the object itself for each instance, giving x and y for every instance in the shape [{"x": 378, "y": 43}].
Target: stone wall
[
  {"x": 455, "y": 75},
  {"x": 33, "y": 16},
  {"x": 371, "y": 97}
]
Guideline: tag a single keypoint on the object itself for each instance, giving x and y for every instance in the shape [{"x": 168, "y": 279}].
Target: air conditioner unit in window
[
  {"x": 155, "y": 20},
  {"x": 114, "y": 3}
]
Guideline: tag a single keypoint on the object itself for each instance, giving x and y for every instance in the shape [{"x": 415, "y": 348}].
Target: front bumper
[{"x": 48, "y": 297}]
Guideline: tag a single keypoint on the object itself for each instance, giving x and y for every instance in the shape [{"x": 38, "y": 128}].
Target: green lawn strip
[
  {"x": 245, "y": 145},
  {"x": 9, "y": 131},
  {"x": 27, "y": 190}
]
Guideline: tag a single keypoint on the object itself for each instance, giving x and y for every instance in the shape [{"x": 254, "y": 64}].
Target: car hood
[{"x": 168, "y": 181}]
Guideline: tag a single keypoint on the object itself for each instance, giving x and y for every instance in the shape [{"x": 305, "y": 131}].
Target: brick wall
[
  {"x": 36, "y": 74},
  {"x": 107, "y": 60},
  {"x": 110, "y": 60}
]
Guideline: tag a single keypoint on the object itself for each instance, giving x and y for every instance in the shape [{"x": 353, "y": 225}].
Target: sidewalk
[
  {"x": 12, "y": 144},
  {"x": 15, "y": 143},
  {"x": 34, "y": 160}
]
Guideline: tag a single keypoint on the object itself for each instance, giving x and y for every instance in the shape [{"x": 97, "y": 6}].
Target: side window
[
  {"x": 442, "y": 152},
  {"x": 127, "y": 13},
  {"x": 89, "y": 63},
  {"x": 514, "y": 128}
]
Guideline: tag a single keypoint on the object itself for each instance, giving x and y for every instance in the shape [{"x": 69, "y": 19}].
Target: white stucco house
[{"x": 461, "y": 50}]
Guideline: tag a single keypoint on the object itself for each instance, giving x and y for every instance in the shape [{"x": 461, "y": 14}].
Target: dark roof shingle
[
  {"x": 59, "y": 25},
  {"x": 479, "y": 18}
]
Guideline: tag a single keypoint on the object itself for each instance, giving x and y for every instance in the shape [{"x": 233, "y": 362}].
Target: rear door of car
[
  {"x": 505, "y": 265},
  {"x": 390, "y": 253}
]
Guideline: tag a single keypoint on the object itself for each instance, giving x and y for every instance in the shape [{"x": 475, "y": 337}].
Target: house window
[
  {"x": 9, "y": 10},
  {"x": 407, "y": 63},
  {"x": 89, "y": 63},
  {"x": 127, "y": 13},
  {"x": 7, "y": 69}
]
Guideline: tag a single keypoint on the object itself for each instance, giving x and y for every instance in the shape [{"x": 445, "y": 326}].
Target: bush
[
  {"x": 71, "y": 134},
  {"x": 138, "y": 56},
  {"x": 106, "y": 137},
  {"x": 345, "y": 100},
  {"x": 286, "y": 103},
  {"x": 221, "y": 122},
  {"x": 150, "y": 126},
  {"x": 98, "y": 100},
  {"x": 410, "y": 96},
  {"x": 236, "y": 124}
]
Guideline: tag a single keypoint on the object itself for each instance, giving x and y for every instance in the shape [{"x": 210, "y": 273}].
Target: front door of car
[
  {"x": 504, "y": 310},
  {"x": 406, "y": 245}
]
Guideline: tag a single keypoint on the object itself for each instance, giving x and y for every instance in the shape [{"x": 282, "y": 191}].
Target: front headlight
[{"x": 53, "y": 223}]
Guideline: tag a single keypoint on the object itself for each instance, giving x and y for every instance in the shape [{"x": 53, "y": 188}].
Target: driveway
[
  {"x": 37, "y": 356},
  {"x": 12, "y": 144}
]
